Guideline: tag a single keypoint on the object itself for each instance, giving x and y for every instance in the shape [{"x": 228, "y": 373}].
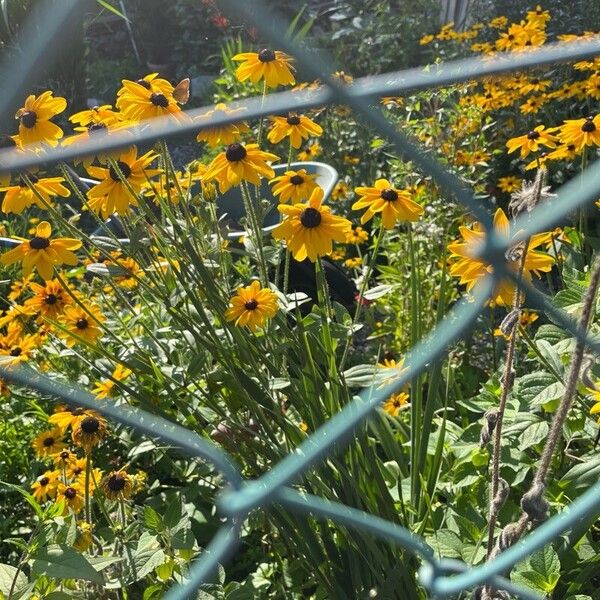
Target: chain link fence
[{"x": 441, "y": 577}]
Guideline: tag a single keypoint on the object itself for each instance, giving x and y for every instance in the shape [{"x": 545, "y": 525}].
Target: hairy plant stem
[
  {"x": 256, "y": 233},
  {"x": 88, "y": 470},
  {"x": 507, "y": 383},
  {"x": 260, "y": 123}
]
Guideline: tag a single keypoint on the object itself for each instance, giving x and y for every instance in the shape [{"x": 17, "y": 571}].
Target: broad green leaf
[
  {"x": 60, "y": 561},
  {"x": 589, "y": 469},
  {"x": 446, "y": 543},
  {"x": 7, "y": 575}
]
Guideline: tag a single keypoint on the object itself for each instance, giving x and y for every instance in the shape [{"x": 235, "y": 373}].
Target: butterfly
[{"x": 181, "y": 93}]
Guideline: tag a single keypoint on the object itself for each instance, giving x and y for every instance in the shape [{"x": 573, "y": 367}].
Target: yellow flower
[
  {"x": 72, "y": 495},
  {"x": 83, "y": 536},
  {"x": 34, "y": 117},
  {"x": 147, "y": 99},
  {"x": 581, "y": 132},
  {"x": 498, "y": 22},
  {"x": 532, "y": 105},
  {"x": 49, "y": 300},
  {"x": 171, "y": 188},
  {"x": 353, "y": 263},
  {"x": 296, "y": 127},
  {"x": 105, "y": 388},
  {"x": 272, "y": 66},
  {"x": 426, "y": 39},
  {"x": 76, "y": 468},
  {"x": 470, "y": 268},
  {"x": 340, "y": 191},
  {"x": 97, "y": 114},
  {"x": 252, "y": 306},
  {"x": 42, "y": 253},
  {"x": 395, "y": 403},
  {"x": 224, "y": 134},
  {"x": 81, "y": 324},
  {"x": 19, "y": 197},
  {"x": 117, "y": 485},
  {"x": 112, "y": 195},
  {"x": 310, "y": 229},
  {"x": 393, "y": 204},
  {"x": 48, "y": 443},
  {"x": 538, "y": 17},
  {"x": 509, "y": 184},
  {"x": 293, "y": 186},
  {"x": 531, "y": 141},
  {"x": 88, "y": 432},
  {"x": 238, "y": 163},
  {"x": 45, "y": 486},
  {"x": 64, "y": 459},
  {"x": 564, "y": 152},
  {"x": 357, "y": 236},
  {"x": 595, "y": 410},
  {"x": 68, "y": 416},
  {"x": 526, "y": 318}
]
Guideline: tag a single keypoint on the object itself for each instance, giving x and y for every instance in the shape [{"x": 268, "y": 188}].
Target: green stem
[
  {"x": 88, "y": 470},
  {"x": 363, "y": 289},
  {"x": 257, "y": 233},
  {"x": 260, "y": 123}
]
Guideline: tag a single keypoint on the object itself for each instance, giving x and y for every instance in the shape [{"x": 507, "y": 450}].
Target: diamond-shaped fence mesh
[{"x": 442, "y": 577}]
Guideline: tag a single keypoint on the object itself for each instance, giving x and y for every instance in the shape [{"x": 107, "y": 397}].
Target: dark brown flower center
[
  {"x": 49, "y": 441},
  {"x": 159, "y": 99},
  {"x": 77, "y": 471},
  {"x": 589, "y": 125},
  {"x": 16, "y": 351},
  {"x": 293, "y": 120},
  {"x": 143, "y": 83},
  {"x": 310, "y": 218},
  {"x": 44, "y": 481},
  {"x": 390, "y": 195},
  {"x": 64, "y": 455},
  {"x": 251, "y": 304},
  {"x": 29, "y": 119},
  {"x": 51, "y": 299},
  {"x": 90, "y": 425},
  {"x": 39, "y": 243},
  {"x": 116, "y": 483},
  {"x": 296, "y": 180},
  {"x": 235, "y": 152},
  {"x": 533, "y": 135},
  {"x": 123, "y": 167},
  {"x": 70, "y": 493},
  {"x": 82, "y": 323},
  {"x": 266, "y": 55}
]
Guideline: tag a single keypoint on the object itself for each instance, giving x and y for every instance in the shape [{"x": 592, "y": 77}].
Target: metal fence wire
[{"x": 441, "y": 577}]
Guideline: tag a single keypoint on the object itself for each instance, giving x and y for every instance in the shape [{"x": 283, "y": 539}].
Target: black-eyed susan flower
[
  {"x": 294, "y": 186},
  {"x": 340, "y": 190},
  {"x": 117, "y": 485},
  {"x": 252, "y": 306},
  {"x": 48, "y": 443},
  {"x": 64, "y": 459},
  {"x": 72, "y": 495},
  {"x": 103, "y": 114},
  {"x": 83, "y": 536},
  {"x": 538, "y": 17},
  {"x": 44, "y": 487},
  {"x": 105, "y": 388},
  {"x": 470, "y": 268},
  {"x": 240, "y": 163},
  {"x": 564, "y": 152},
  {"x": 81, "y": 325},
  {"x": 113, "y": 195},
  {"x": 357, "y": 236},
  {"x": 20, "y": 196},
  {"x": 581, "y": 132},
  {"x": 224, "y": 134},
  {"x": 89, "y": 432},
  {"x": 172, "y": 187},
  {"x": 396, "y": 403},
  {"x": 310, "y": 229},
  {"x": 34, "y": 116},
  {"x": 76, "y": 468},
  {"x": 532, "y": 141},
  {"x": 143, "y": 99},
  {"x": 353, "y": 262},
  {"x": 67, "y": 416},
  {"x": 394, "y": 205},
  {"x": 17, "y": 346},
  {"x": 49, "y": 300},
  {"x": 42, "y": 253},
  {"x": 271, "y": 65},
  {"x": 510, "y": 183},
  {"x": 297, "y": 127}
]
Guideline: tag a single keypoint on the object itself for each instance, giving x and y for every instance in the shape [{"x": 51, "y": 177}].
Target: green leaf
[
  {"x": 541, "y": 570},
  {"x": 589, "y": 469},
  {"x": 148, "y": 555},
  {"x": 101, "y": 562},
  {"x": 446, "y": 543},
  {"x": 60, "y": 561},
  {"x": 7, "y": 575},
  {"x": 112, "y": 9},
  {"x": 152, "y": 519},
  {"x": 530, "y": 428}
]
